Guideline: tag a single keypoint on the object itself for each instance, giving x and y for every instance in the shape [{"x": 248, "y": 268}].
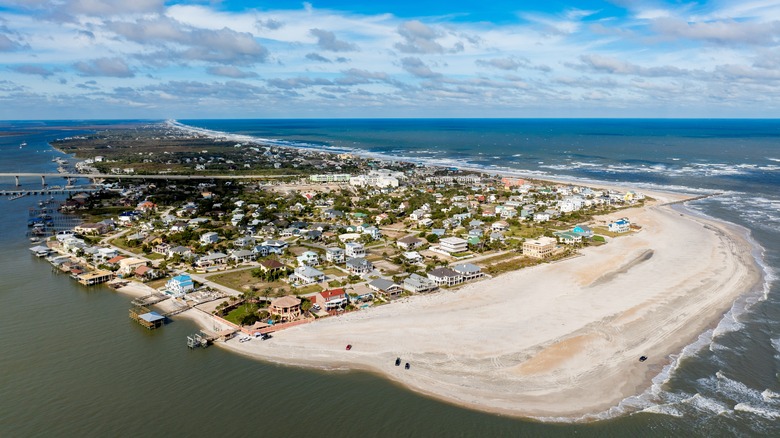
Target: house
[
  {"x": 373, "y": 232},
  {"x": 445, "y": 276},
  {"x": 334, "y": 254},
  {"x": 331, "y": 299},
  {"x": 107, "y": 253},
  {"x": 438, "y": 231},
  {"x": 468, "y": 271},
  {"x": 620, "y": 226},
  {"x": 541, "y": 217},
  {"x": 90, "y": 229},
  {"x": 496, "y": 236},
  {"x": 180, "y": 285},
  {"x": 410, "y": 243},
  {"x": 271, "y": 265},
  {"x": 499, "y": 226},
  {"x": 413, "y": 257},
  {"x": 354, "y": 249},
  {"x": 307, "y": 275},
  {"x": 114, "y": 261},
  {"x": 181, "y": 251},
  {"x": 453, "y": 245},
  {"x": 568, "y": 237},
  {"x": 209, "y": 238},
  {"x": 540, "y": 248},
  {"x": 275, "y": 246},
  {"x": 416, "y": 283},
  {"x": 308, "y": 258},
  {"x": 386, "y": 287},
  {"x": 128, "y": 266},
  {"x": 260, "y": 250},
  {"x": 242, "y": 256},
  {"x": 425, "y": 222},
  {"x": 146, "y": 206},
  {"x": 144, "y": 272},
  {"x": 583, "y": 230},
  {"x": 213, "y": 259},
  {"x": 287, "y": 308},
  {"x": 359, "y": 265},
  {"x": 243, "y": 242}
]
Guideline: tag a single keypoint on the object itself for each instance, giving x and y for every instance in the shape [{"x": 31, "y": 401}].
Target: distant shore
[{"x": 558, "y": 341}]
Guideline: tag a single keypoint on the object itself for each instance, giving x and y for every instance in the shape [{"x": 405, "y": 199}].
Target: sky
[{"x": 185, "y": 59}]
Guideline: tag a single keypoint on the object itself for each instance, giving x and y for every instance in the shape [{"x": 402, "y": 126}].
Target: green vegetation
[{"x": 245, "y": 314}]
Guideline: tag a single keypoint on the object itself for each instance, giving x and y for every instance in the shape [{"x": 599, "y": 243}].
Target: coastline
[{"x": 543, "y": 364}]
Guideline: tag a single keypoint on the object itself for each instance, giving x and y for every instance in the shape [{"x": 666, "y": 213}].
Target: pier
[
  {"x": 146, "y": 318},
  {"x": 203, "y": 338},
  {"x": 149, "y": 300}
]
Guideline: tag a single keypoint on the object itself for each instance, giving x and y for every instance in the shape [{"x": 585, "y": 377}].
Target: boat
[
  {"x": 406, "y": 366},
  {"x": 642, "y": 358},
  {"x": 397, "y": 361},
  {"x": 349, "y": 347}
]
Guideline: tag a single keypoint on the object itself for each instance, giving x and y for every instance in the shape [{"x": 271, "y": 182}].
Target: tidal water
[{"x": 73, "y": 364}]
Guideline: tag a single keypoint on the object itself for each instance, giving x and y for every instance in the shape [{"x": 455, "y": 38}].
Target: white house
[
  {"x": 445, "y": 276},
  {"x": 620, "y": 226},
  {"x": 359, "y": 265},
  {"x": 453, "y": 245},
  {"x": 416, "y": 283},
  {"x": 334, "y": 254},
  {"x": 307, "y": 275},
  {"x": 309, "y": 258},
  {"x": 208, "y": 238},
  {"x": 354, "y": 249}
]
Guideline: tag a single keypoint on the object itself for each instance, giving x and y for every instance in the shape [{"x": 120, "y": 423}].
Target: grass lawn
[
  {"x": 334, "y": 272},
  {"x": 155, "y": 284},
  {"x": 498, "y": 258},
  {"x": 308, "y": 289},
  {"x": 155, "y": 256},
  {"x": 235, "y": 280},
  {"x": 122, "y": 243},
  {"x": 605, "y": 232},
  {"x": 527, "y": 232},
  {"x": 236, "y": 315}
]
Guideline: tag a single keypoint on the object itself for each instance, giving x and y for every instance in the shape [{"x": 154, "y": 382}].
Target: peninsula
[{"x": 531, "y": 298}]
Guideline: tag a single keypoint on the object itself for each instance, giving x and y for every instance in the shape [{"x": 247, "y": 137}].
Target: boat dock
[
  {"x": 151, "y": 299},
  {"x": 144, "y": 317},
  {"x": 203, "y": 338}
]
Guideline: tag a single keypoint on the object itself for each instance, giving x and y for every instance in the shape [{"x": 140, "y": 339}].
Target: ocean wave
[{"x": 771, "y": 414}]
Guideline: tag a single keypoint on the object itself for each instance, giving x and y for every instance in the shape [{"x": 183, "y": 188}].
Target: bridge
[{"x": 95, "y": 176}]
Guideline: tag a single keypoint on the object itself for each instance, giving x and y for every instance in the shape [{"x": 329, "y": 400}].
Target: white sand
[{"x": 556, "y": 340}]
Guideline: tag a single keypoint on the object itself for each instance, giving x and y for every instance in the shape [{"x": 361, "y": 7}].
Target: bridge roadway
[{"x": 135, "y": 176}]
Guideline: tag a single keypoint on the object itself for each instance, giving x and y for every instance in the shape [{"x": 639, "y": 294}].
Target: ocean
[{"x": 73, "y": 364}]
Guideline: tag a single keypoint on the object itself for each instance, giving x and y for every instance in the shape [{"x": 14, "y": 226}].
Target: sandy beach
[{"x": 557, "y": 340}]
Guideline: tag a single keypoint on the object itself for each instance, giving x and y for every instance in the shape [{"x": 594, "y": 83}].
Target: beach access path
[{"x": 552, "y": 341}]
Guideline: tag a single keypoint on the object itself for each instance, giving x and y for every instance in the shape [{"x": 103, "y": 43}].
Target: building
[
  {"x": 242, "y": 256},
  {"x": 568, "y": 237},
  {"x": 583, "y": 230},
  {"x": 287, "y": 308},
  {"x": 308, "y": 258},
  {"x": 354, "y": 249},
  {"x": 620, "y": 226},
  {"x": 413, "y": 257},
  {"x": 213, "y": 259},
  {"x": 209, "y": 238},
  {"x": 334, "y": 255},
  {"x": 271, "y": 265},
  {"x": 410, "y": 243},
  {"x": 90, "y": 229},
  {"x": 376, "y": 178},
  {"x": 540, "y": 248},
  {"x": 307, "y": 275},
  {"x": 180, "y": 285},
  {"x": 129, "y": 265},
  {"x": 444, "y": 276},
  {"x": 468, "y": 271},
  {"x": 359, "y": 265},
  {"x": 385, "y": 287},
  {"x": 331, "y": 299},
  {"x": 275, "y": 246},
  {"x": 416, "y": 283},
  {"x": 330, "y": 178},
  {"x": 453, "y": 245}
]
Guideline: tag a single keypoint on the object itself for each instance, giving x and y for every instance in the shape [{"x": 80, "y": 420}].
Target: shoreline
[{"x": 545, "y": 402}]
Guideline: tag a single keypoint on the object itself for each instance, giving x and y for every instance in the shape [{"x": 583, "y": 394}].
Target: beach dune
[{"x": 556, "y": 340}]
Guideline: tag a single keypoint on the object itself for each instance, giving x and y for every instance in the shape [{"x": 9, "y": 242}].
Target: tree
[{"x": 432, "y": 238}]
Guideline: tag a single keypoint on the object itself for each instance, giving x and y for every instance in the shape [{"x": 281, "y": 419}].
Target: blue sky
[{"x": 255, "y": 59}]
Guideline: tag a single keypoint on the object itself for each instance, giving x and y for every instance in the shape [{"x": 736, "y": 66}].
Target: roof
[
  {"x": 452, "y": 240},
  {"x": 182, "y": 278},
  {"x": 151, "y": 317},
  {"x": 308, "y": 271},
  {"x": 409, "y": 240},
  {"x": 443, "y": 272},
  {"x": 286, "y": 301},
  {"x": 333, "y": 293},
  {"x": 358, "y": 262},
  {"x": 466, "y": 268},
  {"x": 116, "y": 259},
  {"x": 271, "y": 264},
  {"x": 142, "y": 270},
  {"x": 382, "y": 284}
]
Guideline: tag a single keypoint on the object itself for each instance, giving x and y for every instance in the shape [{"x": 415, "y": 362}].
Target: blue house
[{"x": 583, "y": 230}]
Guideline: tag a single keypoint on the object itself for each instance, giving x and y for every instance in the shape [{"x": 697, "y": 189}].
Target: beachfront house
[
  {"x": 620, "y": 226},
  {"x": 305, "y": 275},
  {"x": 468, "y": 271},
  {"x": 129, "y": 265},
  {"x": 568, "y": 237},
  {"x": 331, "y": 299},
  {"x": 417, "y": 284},
  {"x": 386, "y": 287},
  {"x": 359, "y": 265},
  {"x": 583, "y": 230},
  {"x": 334, "y": 254},
  {"x": 354, "y": 249},
  {"x": 444, "y": 276},
  {"x": 453, "y": 245},
  {"x": 180, "y": 285},
  {"x": 540, "y": 248},
  {"x": 287, "y": 308}
]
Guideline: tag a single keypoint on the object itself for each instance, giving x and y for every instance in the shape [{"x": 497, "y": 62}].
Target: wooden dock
[
  {"x": 144, "y": 317},
  {"x": 149, "y": 300}
]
